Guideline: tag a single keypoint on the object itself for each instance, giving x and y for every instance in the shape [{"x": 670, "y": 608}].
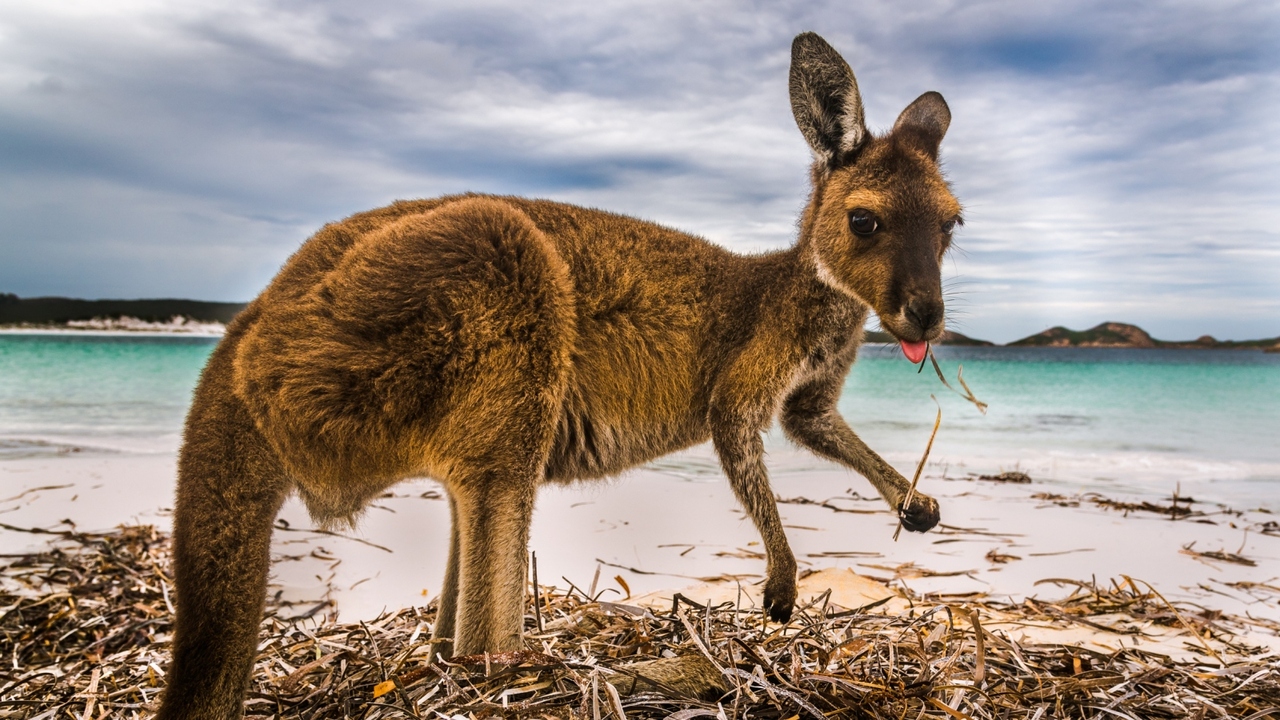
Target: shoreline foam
[{"x": 123, "y": 325}]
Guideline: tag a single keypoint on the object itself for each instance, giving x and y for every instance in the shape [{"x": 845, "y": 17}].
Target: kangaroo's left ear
[{"x": 924, "y": 122}]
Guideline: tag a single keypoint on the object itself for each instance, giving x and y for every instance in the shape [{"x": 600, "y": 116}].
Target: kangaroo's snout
[
  {"x": 921, "y": 318},
  {"x": 925, "y": 316}
]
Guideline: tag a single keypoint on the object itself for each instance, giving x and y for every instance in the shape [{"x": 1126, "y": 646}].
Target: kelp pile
[{"x": 85, "y": 625}]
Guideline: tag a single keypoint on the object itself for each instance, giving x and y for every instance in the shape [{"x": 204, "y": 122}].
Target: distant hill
[
  {"x": 1108, "y": 334},
  {"x": 59, "y": 310},
  {"x": 950, "y": 337},
  {"x": 1114, "y": 334}
]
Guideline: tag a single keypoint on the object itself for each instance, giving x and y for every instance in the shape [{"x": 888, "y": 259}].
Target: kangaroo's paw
[
  {"x": 921, "y": 515},
  {"x": 780, "y": 596},
  {"x": 443, "y": 648}
]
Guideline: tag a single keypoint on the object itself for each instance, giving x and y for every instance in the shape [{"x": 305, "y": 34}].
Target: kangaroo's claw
[
  {"x": 780, "y": 599},
  {"x": 921, "y": 515}
]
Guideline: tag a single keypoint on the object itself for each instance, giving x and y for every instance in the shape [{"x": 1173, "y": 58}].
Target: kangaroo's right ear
[{"x": 825, "y": 99}]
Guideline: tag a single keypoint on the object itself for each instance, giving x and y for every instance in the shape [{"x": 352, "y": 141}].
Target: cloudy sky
[{"x": 1118, "y": 161}]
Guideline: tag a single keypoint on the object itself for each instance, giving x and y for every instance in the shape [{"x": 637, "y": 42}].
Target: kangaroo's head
[{"x": 881, "y": 216}]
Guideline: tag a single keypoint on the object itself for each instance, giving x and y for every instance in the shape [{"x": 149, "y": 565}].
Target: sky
[{"x": 1117, "y": 161}]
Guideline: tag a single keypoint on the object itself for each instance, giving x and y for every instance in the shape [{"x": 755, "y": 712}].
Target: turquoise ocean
[{"x": 1116, "y": 421}]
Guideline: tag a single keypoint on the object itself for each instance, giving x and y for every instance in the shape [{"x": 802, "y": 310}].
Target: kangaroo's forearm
[
  {"x": 810, "y": 418},
  {"x": 742, "y": 457},
  {"x": 828, "y": 435}
]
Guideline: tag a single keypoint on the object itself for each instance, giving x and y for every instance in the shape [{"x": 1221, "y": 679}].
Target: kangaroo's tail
[{"x": 230, "y": 487}]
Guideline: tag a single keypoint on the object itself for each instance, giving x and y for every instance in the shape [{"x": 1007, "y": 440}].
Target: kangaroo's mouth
[
  {"x": 915, "y": 351},
  {"x": 913, "y": 328}
]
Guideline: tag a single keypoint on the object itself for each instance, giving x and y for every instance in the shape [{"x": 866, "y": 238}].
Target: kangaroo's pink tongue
[{"x": 914, "y": 350}]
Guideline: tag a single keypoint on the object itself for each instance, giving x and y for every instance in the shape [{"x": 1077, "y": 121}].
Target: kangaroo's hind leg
[
  {"x": 506, "y": 323},
  {"x": 447, "y": 612},
  {"x": 501, "y": 432},
  {"x": 230, "y": 487},
  {"x": 495, "y": 509}
]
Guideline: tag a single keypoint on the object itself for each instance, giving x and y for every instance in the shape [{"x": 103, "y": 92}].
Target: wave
[
  {"x": 21, "y": 449},
  {"x": 17, "y": 447}
]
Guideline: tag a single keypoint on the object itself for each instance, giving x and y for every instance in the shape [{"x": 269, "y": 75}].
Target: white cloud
[{"x": 1116, "y": 162}]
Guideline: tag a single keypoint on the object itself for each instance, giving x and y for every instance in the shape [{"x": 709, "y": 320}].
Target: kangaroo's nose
[{"x": 924, "y": 313}]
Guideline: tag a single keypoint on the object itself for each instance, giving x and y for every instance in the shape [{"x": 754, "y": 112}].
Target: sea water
[
  {"x": 1115, "y": 421},
  {"x": 73, "y": 393},
  {"x": 1111, "y": 420}
]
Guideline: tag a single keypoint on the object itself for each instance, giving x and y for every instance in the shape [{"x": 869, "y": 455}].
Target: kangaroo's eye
[
  {"x": 949, "y": 226},
  {"x": 863, "y": 222}
]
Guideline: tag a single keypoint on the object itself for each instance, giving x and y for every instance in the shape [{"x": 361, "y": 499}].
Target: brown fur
[{"x": 495, "y": 344}]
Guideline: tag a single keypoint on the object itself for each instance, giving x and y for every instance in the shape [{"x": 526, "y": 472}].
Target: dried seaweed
[
  {"x": 84, "y": 631},
  {"x": 1179, "y": 507},
  {"x": 1011, "y": 476},
  {"x": 1222, "y": 555}
]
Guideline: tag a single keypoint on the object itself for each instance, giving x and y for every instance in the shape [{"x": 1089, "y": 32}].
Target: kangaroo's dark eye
[
  {"x": 863, "y": 221},
  {"x": 948, "y": 227}
]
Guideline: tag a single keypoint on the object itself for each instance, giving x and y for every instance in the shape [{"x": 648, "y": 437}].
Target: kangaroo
[{"x": 499, "y": 343}]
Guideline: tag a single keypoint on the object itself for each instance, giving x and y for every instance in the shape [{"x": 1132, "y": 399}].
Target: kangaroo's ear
[
  {"x": 825, "y": 99},
  {"x": 924, "y": 122}
]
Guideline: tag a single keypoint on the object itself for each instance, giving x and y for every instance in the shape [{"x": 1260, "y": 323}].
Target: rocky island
[
  {"x": 1104, "y": 335},
  {"x": 1122, "y": 335}
]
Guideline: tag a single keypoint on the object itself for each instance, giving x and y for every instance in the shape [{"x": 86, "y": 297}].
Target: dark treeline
[{"x": 55, "y": 310}]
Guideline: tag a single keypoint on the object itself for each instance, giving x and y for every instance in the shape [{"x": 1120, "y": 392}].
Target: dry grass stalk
[
  {"x": 911, "y": 492},
  {"x": 967, "y": 394},
  {"x": 84, "y": 628}
]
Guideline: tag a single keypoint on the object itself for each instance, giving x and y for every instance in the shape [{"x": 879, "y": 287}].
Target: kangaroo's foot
[
  {"x": 780, "y": 594},
  {"x": 921, "y": 515}
]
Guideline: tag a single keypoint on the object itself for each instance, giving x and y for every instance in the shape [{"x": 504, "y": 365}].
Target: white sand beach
[
  {"x": 122, "y": 326},
  {"x": 675, "y": 524}
]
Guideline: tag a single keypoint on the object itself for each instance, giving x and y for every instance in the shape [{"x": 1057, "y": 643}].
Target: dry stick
[
  {"x": 946, "y": 709},
  {"x": 24, "y": 493},
  {"x": 1190, "y": 628},
  {"x": 980, "y": 660},
  {"x": 91, "y": 694},
  {"x": 967, "y": 394},
  {"x": 697, "y": 641},
  {"x": 319, "y": 531},
  {"x": 591, "y": 594},
  {"x": 615, "y": 702},
  {"x": 537, "y": 601},
  {"x": 911, "y": 493}
]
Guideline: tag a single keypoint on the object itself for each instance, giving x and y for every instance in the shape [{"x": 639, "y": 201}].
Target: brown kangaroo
[{"x": 498, "y": 343}]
